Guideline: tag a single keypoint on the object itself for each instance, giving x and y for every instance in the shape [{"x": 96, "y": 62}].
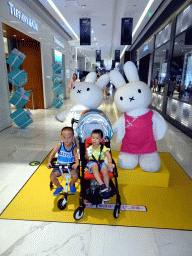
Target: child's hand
[
  {"x": 86, "y": 155},
  {"x": 110, "y": 166},
  {"x": 74, "y": 166},
  {"x": 49, "y": 165}
]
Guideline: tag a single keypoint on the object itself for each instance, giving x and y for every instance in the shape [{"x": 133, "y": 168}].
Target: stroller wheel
[
  {"x": 116, "y": 211},
  {"x": 62, "y": 203},
  {"x": 78, "y": 214}
]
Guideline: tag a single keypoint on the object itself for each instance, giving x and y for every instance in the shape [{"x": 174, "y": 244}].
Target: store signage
[
  {"x": 146, "y": 48},
  {"x": 85, "y": 31},
  {"x": 56, "y": 41},
  {"x": 126, "y": 31},
  {"x": 117, "y": 55},
  {"x": 21, "y": 16},
  {"x": 98, "y": 55}
]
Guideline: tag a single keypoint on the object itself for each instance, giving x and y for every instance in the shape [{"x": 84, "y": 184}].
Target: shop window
[
  {"x": 184, "y": 20},
  {"x": 181, "y": 67},
  {"x": 160, "y": 68},
  {"x": 163, "y": 36}
]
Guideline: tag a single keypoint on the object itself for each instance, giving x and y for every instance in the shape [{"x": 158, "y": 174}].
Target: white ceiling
[{"x": 101, "y": 12}]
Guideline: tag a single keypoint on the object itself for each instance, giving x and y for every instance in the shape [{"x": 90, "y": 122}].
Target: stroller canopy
[{"x": 94, "y": 119}]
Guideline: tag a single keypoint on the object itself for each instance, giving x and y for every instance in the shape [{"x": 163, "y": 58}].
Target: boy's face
[
  {"x": 67, "y": 137},
  {"x": 96, "y": 139}
]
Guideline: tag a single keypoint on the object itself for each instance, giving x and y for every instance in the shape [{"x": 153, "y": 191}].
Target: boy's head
[
  {"x": 96, "y": 137},
  {"x": 97, "y": 131},
  {"x": 67, "y": 135}
]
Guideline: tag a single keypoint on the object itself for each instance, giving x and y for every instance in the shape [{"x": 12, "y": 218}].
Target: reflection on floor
[{"x": 18, "y": 148}]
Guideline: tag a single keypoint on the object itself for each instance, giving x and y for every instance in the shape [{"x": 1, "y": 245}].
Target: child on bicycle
[
  {"x": 96, "y": 153},
  {"x": 67, "y": 153}
]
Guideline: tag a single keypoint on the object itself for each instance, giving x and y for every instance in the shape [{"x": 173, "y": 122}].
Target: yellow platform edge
[{"x": 141, "y": 178}]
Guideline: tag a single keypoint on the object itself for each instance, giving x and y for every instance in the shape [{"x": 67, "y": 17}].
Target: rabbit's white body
[
  {"x": 85, "y": 95},
  {"x": 133, "y": 99}
]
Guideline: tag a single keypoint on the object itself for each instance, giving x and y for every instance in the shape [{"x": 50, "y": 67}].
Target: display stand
[
  {"x": 58, "y": 85},
  {"x": 18, "y": 78}
]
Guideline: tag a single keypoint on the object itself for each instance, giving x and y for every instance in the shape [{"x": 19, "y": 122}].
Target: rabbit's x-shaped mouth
[
  {"x": 78, "y": 91},
  {"x": 132, "y": 98}
]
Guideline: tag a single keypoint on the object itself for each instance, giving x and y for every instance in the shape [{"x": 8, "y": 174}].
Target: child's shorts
[
  {"x": 91, "y": 163},
  {"x": 58, "y": 170}
]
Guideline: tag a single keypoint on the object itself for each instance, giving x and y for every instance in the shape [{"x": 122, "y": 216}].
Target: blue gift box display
[
  {"x": 57, "y": 78},
  {"x": 57, "y": 88},
  {"x": 21, "y": 118},
  {"x": 57, "y": 102},
  {"x": 17, "y": 77},
  {"x": 20, "y": 98},
  {"x": 15, "y": 58},
  {"x": 57, "y": 67}
]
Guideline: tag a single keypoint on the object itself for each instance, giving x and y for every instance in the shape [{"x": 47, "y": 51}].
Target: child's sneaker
[
  {"x": 72, "y": 189},
  {"x": 58, "y": 191},
  {"x": 103, "y": 188},
  {"x": 106, "y": 196}
]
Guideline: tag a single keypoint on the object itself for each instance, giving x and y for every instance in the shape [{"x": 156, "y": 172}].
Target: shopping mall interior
[{"x": 113, "y": 47}]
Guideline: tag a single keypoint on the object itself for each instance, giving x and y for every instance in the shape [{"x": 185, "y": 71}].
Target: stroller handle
[{"x": 65, "y": 165}]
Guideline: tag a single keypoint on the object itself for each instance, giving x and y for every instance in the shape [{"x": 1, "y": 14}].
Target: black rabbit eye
[
  {"x": 88, "y": 89},
  {"x": 73, "y": 87},
  {"x": 139, "y": 90},
  {"x": 121, "y": 98}
]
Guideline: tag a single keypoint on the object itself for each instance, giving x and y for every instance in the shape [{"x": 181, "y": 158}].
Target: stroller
[{"x": 90, "y": 120}]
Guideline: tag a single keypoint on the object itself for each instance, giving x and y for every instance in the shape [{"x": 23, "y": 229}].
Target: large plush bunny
[
  {"x": 139, "y": 127},
  {"x": 85, "y": 95}
]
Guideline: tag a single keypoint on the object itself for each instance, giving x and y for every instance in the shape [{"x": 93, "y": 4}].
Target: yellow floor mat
[{"x": 169, "y": 208}]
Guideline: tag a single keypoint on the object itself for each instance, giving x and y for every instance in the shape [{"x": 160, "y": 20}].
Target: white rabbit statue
[
  {"x": 139, "y": 127},
  {"x": 85, "y": 95}
]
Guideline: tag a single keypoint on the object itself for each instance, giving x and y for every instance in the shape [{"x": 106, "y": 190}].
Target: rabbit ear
[
  {"x": 131, "y": 71},
  {"x": 91, "y": 77},
  {"x": 116, "y": 78},
  {"x": 103, "y": 81}
]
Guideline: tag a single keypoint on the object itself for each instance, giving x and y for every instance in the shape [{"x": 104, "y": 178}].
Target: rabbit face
[
  {"x": 133, "y": 96},
  {"x": 87, "y": 94}
]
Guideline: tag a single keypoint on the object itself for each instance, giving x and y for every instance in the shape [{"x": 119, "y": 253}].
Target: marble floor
[{"x": 22, "y": 238}]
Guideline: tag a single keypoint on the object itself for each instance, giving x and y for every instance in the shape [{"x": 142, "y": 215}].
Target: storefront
[
  {"x": 169, "y": 67},
  {"x": 42, "y": 43}
]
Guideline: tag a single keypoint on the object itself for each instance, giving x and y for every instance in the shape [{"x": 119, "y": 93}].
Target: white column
[
  {"x": 5, "y": 119},
  {"x": 75, "y": 60}
]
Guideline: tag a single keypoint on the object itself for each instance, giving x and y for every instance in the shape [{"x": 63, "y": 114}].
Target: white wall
[
  {"x": 88, "y": 66},
  {"x": 81, "y": 63},
  {"x": 5, "y": 119},
  {"x": 45, "y": 36}
]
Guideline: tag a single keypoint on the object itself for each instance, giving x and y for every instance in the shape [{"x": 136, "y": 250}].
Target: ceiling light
[
  {"x": 4, "y": 31},
  {"x": 62, "y": 17},
  {"x": 14, "y": 35},
  {"x": 83, "y": 5},
  {"x": 22, "y": 39},
  {"x": 138, "y": 23},
  {"x": 94, "y": 38},
  {"x": 92, "y": 31}
]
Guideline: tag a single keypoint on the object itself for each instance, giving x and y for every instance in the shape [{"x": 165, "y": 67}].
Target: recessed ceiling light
[
  {"x": 22, "y": 39},
  {"x": 92, "y": 31},
  {"x": 4, "y": 31},
  {"x": 14, "y": 35}
]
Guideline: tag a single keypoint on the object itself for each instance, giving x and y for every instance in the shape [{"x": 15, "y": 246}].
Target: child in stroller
[
  {"x": 91, "y": 191},
  {"x": 96, "y": 153}
]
